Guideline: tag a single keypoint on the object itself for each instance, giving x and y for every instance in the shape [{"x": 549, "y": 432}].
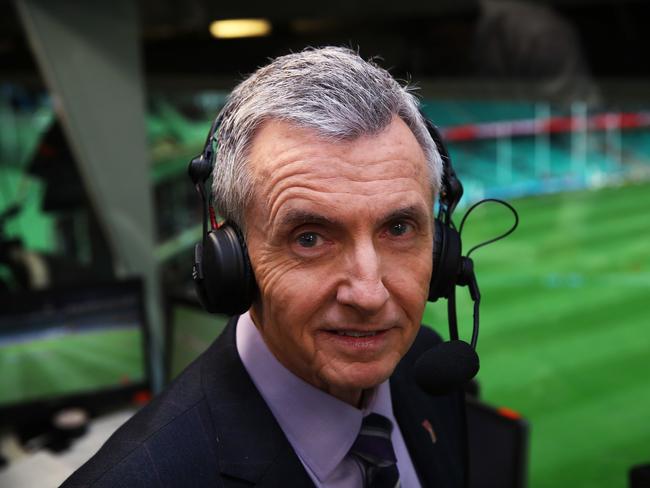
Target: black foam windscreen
[
  {"x": 639, "y": 476},
  {"x": 446, "y": 367}
]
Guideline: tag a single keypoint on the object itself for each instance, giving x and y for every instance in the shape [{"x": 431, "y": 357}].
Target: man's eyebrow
[
  {"x": 415, "y": 212},
  {"x": 295, "y": 218}
]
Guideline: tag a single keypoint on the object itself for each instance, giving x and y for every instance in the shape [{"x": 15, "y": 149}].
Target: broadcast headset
[{"x": 225, "y": 282}]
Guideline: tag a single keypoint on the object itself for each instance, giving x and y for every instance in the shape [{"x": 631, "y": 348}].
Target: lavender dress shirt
[{"x": 319, "y": 427}]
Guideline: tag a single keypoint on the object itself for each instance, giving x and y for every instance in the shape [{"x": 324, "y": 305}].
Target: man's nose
[{"x": 363, "y": 287}]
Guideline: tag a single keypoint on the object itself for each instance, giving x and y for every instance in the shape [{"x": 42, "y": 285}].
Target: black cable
[
  {"x": 205, "y": 210},
  {"x": 499, "y": 237},
  {"x": 476, "y": 322},
  {"x": 452, "y": 319}
]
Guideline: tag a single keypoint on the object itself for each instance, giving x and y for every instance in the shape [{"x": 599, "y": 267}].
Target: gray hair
[{"x": 331, "y": 90}]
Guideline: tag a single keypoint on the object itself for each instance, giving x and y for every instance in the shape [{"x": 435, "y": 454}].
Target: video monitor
[
  {"x": 71, "y": 345},
  {"x": 190, "y": 330},
  {"x": 498, "y": 447}
]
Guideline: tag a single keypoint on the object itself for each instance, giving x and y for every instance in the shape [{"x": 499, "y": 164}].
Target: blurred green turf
[
  {"x": 565, "y": 329},
  {"x": 70, "y": 363}
]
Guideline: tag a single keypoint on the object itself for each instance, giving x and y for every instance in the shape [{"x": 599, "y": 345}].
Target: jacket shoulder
[
  {"x": 162, "y": 445},
  {"x": 433, "y": 427}
]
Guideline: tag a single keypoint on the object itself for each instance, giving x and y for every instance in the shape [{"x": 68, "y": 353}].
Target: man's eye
[
  {"x": 308, "y": 239},
  {"x": 399, "y": 228}
]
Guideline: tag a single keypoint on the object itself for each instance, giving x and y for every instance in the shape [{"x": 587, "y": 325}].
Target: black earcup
[
  {"x": 225, "y": 283},
  {"x": 446, "y": 261}
]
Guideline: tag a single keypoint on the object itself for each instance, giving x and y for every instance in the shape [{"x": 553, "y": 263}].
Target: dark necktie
[{"x": 374, "y": 449}]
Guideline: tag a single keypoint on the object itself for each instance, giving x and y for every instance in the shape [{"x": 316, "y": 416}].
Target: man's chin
[{"x": 358, "y": 377}]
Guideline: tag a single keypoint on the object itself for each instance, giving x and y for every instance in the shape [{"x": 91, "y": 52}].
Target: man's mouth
[
  {"x": 358, "y": 340},
  {"x": 357, "y": 333},
  {"x": 352, "y": 333}
]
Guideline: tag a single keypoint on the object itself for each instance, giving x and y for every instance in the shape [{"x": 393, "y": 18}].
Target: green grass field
[
  {"x": 71, "y": 363},
  {"x": 565, "y": 329}
]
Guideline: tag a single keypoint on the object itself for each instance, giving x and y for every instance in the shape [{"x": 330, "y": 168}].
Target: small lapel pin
[{"x": 429, "y": 428}]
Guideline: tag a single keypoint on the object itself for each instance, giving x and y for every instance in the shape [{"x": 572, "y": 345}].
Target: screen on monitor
[
  {"x": 190, "y": 331},
  {"x": 71, "y": 342}
]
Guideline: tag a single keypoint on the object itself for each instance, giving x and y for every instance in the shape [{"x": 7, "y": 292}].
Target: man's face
[{"x": 340, "y": 238}]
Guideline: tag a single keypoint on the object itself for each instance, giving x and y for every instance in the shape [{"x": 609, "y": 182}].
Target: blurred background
[{"x": 544, "y": 103}]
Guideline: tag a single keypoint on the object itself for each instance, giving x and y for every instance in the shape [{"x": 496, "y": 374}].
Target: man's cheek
[
  {"x": 412, "y": 279},
  {"x": 272, "y": 271}
]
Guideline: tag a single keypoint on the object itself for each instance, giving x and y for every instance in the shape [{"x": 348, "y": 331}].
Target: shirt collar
[{"x": 320, "y": 427}]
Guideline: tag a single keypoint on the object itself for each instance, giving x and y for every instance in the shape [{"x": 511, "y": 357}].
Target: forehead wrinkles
[
  {"x": 289, "y": 161},
  {"x": 335, "y": 188}
]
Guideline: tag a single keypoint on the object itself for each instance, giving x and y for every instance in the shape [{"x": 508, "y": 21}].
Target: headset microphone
[
  {"x": 450, "y": 365},
  {"x": 446, "y": 367}
]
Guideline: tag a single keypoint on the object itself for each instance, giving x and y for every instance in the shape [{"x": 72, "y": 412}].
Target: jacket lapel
[
  {"x": 431, "y": 427},
  {"x": 251, "y": 446}
]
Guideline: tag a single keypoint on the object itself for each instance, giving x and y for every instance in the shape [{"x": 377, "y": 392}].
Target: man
[{"x": 326, "y": 166}]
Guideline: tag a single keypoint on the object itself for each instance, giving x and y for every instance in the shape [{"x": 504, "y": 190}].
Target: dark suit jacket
[{"x": 211, "y": 427}]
